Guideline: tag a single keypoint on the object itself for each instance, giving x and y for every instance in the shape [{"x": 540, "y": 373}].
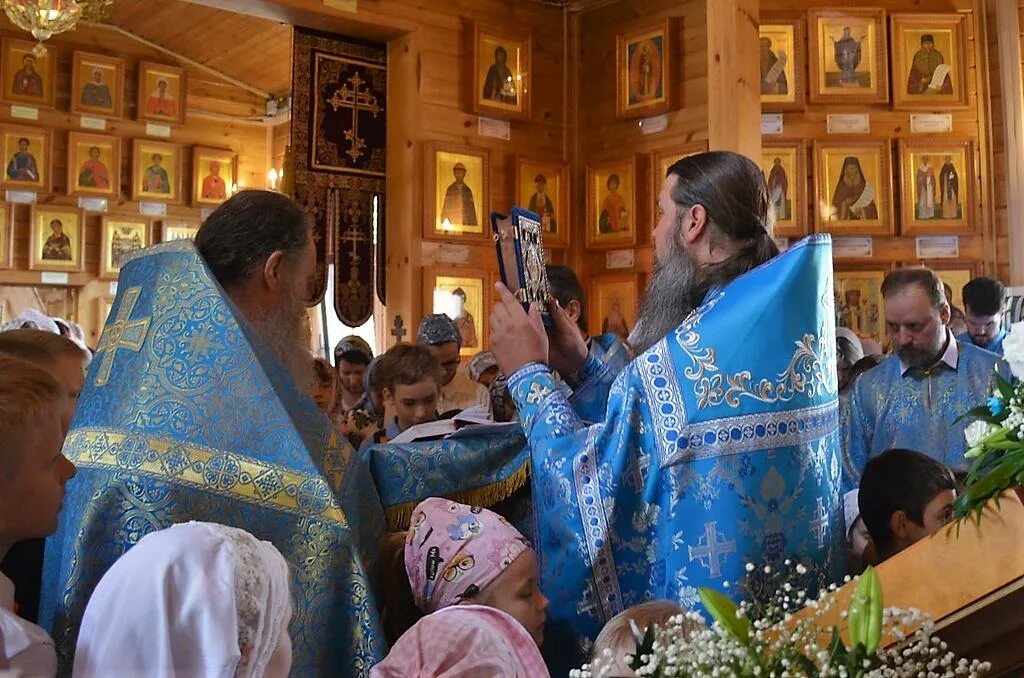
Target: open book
[{"x": 472, "y": 421}]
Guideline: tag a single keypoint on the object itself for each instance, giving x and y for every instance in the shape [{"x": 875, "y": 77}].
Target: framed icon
[
  {"x": 644, "y": 70},
  {"x": 543, "y": 187},
  {"x": 156, "y": 171},
  {"x": 162, "y": 94},
  {"x": 455, "y": 201},
  {"x": 121, "y": 237},
  {"x": 783, "y": 84},
  {"x": 936, "y": 176},
  {"x": 177, "y": 230},
  {"x": 853, "y": 187},
  {"x": 785, "y": 169},
  {"x": 848, "y": 56},
  {"x": 56, "y": 239},
  {"x": 6, "y": 235},
  {"x": 611, "y": 204},
  {"x": 955, "y": 273},
  {"x": 929, "y": 61},
  {"x": 28, "y": 78},
  {"x": 662, "y": 160},
  {"x": 501, "y": 72},
  {"x": 97, "y": 85},
  {"x": 214, "y": 175},
  {"x": 464, "y": 295},
  {"x": 614, "y": 303},
  {"x": 94, "y": 165},
  {"x": 858, "y": 300},
  {"x": 27, "y": 154}
]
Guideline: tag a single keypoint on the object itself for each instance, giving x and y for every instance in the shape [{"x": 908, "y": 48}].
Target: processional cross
[
  {"x": 122, "y": 333},
  {"x": 356, "y": 100}
]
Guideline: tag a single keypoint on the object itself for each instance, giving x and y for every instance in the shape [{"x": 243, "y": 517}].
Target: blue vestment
[
  {"x": 185, "y": 415},
  {"x": 916, "y": 410},
  {"x": 718, "y": 447},
  {"x": 994, "y": 346}
]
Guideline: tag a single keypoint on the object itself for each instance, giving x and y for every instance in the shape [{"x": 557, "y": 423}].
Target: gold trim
[{"x": 205, "y": 468}]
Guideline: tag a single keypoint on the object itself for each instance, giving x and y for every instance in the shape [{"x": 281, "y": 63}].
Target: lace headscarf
[{"x": 186, "y": 601}]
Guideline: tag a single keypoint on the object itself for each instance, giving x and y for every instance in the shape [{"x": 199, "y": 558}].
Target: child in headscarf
[
  {"x": 476, "y": 578},
  {"x": 195, "y": 599}
]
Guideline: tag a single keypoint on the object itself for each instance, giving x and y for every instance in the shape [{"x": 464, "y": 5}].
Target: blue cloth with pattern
[
  {"x": 185, "y": 415},
  {"x": 719, "y": 447},
  {"x": 994, "y": 346}
]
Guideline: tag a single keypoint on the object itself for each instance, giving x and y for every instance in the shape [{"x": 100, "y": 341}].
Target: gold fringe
[{"x": 398, "y": 516}]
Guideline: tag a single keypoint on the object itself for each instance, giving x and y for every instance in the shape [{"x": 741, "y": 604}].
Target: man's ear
[
  {"x": 273, "y": 271},
  {"x": 694, "y": 224},
  {"x": 945, "y": 313}
]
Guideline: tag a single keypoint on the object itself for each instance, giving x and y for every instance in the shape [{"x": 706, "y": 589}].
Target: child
[
  {"x": 860, "y": 552},
  {"x": 618, "y": 638},
  {"x": 476, "y": 578},
  {"x": 412, "y": 384},
  {"x": 367, "y": 417},
  {"x": 325, "y": 385},
  {"x": 905, "y": 496},
  {"x": 33, "y": 473},
  {"x": 195, "y": 599}
]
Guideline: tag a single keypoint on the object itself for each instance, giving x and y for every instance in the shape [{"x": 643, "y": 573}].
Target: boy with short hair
[
  {"x": 412, "y": 385},
  {"x": 905, "y": 496},
  {"x": 33, "y": 473}
]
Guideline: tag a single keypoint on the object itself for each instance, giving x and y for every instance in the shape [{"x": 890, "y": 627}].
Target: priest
[
  {"x": 193, "y": 410},
  {"x": 719, "y": 443}
]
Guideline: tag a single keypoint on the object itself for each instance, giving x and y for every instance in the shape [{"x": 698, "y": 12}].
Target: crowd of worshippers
[{"x": 463, "y": 595}]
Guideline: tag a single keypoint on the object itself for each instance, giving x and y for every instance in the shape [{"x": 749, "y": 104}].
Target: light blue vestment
[
  {"x": 718, "y": 447},
  {"x": 185, "y": 415},
  {"x": 994, "y": 346}
]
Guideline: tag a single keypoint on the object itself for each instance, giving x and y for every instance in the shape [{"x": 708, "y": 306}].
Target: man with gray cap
[{"x": 438, "y": 333}]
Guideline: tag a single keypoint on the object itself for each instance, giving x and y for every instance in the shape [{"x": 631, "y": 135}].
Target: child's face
[
  {"x": 30, "y": 499},
  {"x": 859, "y": 538},
  {"x": 69, "y": 372},
  {"x": 324, "y": 395},
  {"x": 413, "y": 403},
  {"x": 350, "y": 376},
  {"x": 937, "y": 513},
  {"x": 517, "y": 592}
]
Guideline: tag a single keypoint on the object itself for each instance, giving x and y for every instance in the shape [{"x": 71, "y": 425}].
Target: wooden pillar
[
  {"x": 1013, "y": 124},
  {"x": 403, "y": 185},
  {"x": 734, "y": 94}
]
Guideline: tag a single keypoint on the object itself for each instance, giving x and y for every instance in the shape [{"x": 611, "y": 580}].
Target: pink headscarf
[
  {"x": 464, "y": 640},
  {"x": 453, "y": 551}
]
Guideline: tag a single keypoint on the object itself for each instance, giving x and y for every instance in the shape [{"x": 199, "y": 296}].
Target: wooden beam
[
  {"x": 1008, "y": 27},
  {"x": 734, "y": 94},
  {"x": 362, "y": 23}
]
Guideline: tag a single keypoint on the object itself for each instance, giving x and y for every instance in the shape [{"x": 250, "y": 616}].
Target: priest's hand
[
  {"x": 517, "y": 337},
  {"x": 567, "y": 350}
]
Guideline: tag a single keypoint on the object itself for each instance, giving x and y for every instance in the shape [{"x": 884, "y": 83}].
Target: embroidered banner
[{"x": 339, "y": 135}]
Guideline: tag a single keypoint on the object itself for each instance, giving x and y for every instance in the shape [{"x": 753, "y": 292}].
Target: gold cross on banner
[
  {"x": 122, "y": 333},
  {"x": 356, "y": 100}
]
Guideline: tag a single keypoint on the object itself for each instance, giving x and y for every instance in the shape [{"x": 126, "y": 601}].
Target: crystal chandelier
[{"x": 45, "y": 18}]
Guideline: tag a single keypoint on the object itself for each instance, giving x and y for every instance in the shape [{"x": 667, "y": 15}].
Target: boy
[
  {"x": 412, "y": 385},
  {"x": 905, "y": 496},
  {"x": 33, "y": 473}
]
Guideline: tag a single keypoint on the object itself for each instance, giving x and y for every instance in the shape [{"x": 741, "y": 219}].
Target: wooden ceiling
[{"x": 252, "y": 50}]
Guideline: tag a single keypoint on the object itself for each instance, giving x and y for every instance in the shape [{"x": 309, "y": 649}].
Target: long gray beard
[
  {"x": 282, "y": 331},
  {"x": 666, "y": 301}
]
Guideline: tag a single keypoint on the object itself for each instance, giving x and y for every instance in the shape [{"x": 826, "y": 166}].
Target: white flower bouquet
[
  {"x": 995, "y": 439},
  {"x": 789, "y": 637}
]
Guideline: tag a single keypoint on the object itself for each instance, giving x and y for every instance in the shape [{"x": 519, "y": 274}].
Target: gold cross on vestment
[
  {"x": 354, "y": 234},
  {"x": 355, "y": 100},
  {"x": 122, "y": 333}
]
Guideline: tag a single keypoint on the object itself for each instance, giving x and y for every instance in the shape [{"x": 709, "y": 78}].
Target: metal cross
[
  {"x": 398, "y": 330},
  {"x": 710, "y": 549},
  {"x": 355, "y": 100},
  {"x": 122, "y": 333},
  {"x": 819, "y": 525}
]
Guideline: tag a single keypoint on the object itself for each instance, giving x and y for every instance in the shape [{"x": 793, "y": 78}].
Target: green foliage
[
  {"x": 724, "y": 611},
  {"x": 865, "y": 613}
]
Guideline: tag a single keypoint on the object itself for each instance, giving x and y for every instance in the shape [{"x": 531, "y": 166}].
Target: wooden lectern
[{"x": 970, "y": 579}]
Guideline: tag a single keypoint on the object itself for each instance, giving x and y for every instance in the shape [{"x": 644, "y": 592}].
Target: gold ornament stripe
[{"x": 206, "y": 469}]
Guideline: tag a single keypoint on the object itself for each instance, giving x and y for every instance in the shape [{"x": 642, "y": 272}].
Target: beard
[
  {"x": 667, "y": 299},
  {"x": 283, "y": 330}
]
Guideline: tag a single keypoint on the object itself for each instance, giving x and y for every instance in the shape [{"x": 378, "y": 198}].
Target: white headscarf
[{"x": 182, "y": 603}]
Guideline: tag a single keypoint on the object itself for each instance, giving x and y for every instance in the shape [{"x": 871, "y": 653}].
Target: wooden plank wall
[
  {"x": 210, "y": 102},
  {"x": 603, "y": 137},
  {"x": 887, "y": 123}
]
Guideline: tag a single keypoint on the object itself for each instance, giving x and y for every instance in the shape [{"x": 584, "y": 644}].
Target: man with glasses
[{"x": 984, "y": 306}]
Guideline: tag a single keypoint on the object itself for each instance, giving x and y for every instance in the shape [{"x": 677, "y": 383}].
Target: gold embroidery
[
  {"x": 122, "y": 333},
  {"x": 198, "y": 466}
]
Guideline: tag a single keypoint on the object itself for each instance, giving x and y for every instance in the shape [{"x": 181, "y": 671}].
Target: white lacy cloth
[
  {"x": 183, "y": 602},
  {"x": 25, "y": 649}
]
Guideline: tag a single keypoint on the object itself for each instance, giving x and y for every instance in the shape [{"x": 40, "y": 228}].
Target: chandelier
[{"x": 46, "y": 18}]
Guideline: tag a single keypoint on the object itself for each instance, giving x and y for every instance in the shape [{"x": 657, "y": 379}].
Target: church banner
[{"x": 339, "y": 134}]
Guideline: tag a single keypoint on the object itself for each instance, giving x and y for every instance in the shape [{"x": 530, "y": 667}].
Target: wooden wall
[
  {"x": 217, "y": 115},
  {"x": 972, "y": 123}
]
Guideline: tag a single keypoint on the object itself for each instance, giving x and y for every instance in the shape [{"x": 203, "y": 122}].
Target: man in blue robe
[
  {"x": 984, "y": 309},
  {"x": 912, "y": 398},
  {"x": 196, "y": 407},
  {"x": 718, "y": 446}
]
